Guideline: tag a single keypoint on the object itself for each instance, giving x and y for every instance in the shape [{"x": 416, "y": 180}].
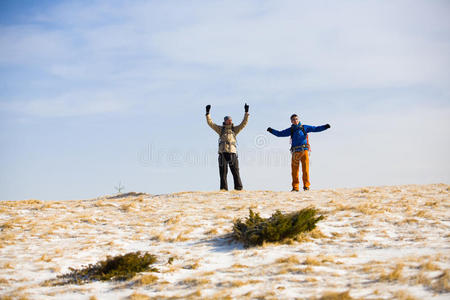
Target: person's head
[
  {"x": 227, "y": 120},
  {"x": 294, "y": 119}
]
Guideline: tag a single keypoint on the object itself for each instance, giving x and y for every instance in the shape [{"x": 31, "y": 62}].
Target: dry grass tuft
[
  {"x": 181, "y": 238},
  {"x": 431, "y": 203},
  {"x": 8, "y": 265},
  {"x": 127, "y": 207},
  {"x": 429, "y": 266},
  {"x": 239, "y": 266},
  {"x": 212, "y": 231},
  {"x": 303, "y": 237},
  {"x": 45, "y": 258},
  {"x": 403, "y": 295},
  {"x": 318, "y": 260},
  {"x": 394, "y": 275},
  {"x": 293, "y": 259},
  {"x": 195, "y": 281},
  {"x": 423, "y": 214},
  {"x": 312, "y": 261},
  {"x": 159, "y": 237},
  {"x": 173, "y": 220},
  {"x": 146, "y": 279},
  {"x": 285, "y": 269},
  {"x": 422, "y": 278},
  {"x": 137, "y": 296},
  {"x": 192, "y": 266},
  {"x": 442, "y": 284},
  {"x": 336, "y": 296},
  {"x": 317, "y": 234}
]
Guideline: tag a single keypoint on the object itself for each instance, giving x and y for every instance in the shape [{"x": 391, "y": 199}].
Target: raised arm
[
  {"x": 286, "y": 132},
  {"x": 211, "y": 124},
  {"x": 309, "y": 128},
  {"x": 241, "y": 126}
]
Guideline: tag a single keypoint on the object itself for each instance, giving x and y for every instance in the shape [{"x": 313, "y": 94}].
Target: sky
[{"x": 97, "y": 94}]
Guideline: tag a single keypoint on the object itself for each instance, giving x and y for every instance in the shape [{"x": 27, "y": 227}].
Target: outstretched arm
[
  {"x": 211, "y": 124},
  {"x": 286, "y": 132},
  {"x": 309, "y": 128}
]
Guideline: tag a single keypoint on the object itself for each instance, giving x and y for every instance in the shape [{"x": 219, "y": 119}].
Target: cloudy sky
[{"x": 93, "y": 93}]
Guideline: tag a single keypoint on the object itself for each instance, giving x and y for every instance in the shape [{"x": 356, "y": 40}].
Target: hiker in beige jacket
[{"x": 227, "y": 147}]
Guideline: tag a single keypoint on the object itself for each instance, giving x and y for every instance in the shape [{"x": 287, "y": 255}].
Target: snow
[{"x": 366, "y": 235}]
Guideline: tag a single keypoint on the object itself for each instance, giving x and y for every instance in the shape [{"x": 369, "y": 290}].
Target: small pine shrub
[
  {"x": 254, "y": 231},
  {"x": 120, "y": 267}
]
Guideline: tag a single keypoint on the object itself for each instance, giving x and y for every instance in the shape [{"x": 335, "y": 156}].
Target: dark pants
[{"x": 231, "y": 159}]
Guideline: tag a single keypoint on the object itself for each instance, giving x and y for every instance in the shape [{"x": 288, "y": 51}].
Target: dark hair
[{"x": 294, "y": 115}]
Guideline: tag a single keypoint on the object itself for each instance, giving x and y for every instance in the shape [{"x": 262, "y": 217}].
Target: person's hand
[
  {"x": 269, "y": 130},
  {"x": 327, "y": 126},
  {"x": 246, "y": 107},
  {"x": 208, "y": 107}
]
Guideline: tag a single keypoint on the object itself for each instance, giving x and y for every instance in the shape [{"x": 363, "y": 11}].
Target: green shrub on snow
[
  {"x": 256, "y": 230},
  {"x": 120, "y": 267}
]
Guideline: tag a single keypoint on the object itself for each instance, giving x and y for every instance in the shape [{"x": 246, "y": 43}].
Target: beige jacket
[{"x": 227, "y": 139}]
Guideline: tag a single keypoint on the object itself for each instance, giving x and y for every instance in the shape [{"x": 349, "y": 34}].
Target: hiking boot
[
  {"x": 306, "y": 188},
  {"x": 293, "y": 190}
]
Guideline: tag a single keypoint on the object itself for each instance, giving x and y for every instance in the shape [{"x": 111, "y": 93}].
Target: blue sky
[{"x": 97, "y": 92}]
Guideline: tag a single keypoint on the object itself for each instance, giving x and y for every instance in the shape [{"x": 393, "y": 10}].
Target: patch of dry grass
[
  {"x": 239, "y": 266},
  {"x": 192, "y": 266},
  {"x": 238, "y": 283},
  {"x": 173, "y": 220},
  {"x": 318, "y": 260},
  {"x": 146, "y": 279},
  {"x": 442, "y": 283},
  {"x": 194, "y": 281},
  {"x": 128, "y": 207},
  {"x": 332, "y": 295},
  {"x": 137, "y": 296},
  {"x": 404, "y": 295},
  {"x": 429, "y": 266},
  {"x": 180, "y": 238},
  {"x": 293, "y": 259},
  {"x": 316, "y": 233},
  {"x": 394, "y": 275},
  {"x": 212, "y": 231},
  {"x": 45, "y": 258},
  {"x": 312, "y": 261},
  {"x": 422, "y": 279}
]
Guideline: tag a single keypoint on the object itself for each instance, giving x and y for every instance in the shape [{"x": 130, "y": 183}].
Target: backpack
[
  {"x": 223, "y": 131},
  {"x": 307, "y": 138}
]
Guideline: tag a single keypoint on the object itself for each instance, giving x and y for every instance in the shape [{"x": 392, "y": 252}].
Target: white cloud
[
  {"x": 223, "y": 49},
  {"x": 353, "y": 45}
]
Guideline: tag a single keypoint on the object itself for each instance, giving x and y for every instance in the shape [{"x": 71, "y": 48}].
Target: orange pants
[{"x": 297, "y": 157}]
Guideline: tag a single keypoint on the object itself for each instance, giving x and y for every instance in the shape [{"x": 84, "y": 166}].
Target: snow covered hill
[{"x": 375, "y": 243}]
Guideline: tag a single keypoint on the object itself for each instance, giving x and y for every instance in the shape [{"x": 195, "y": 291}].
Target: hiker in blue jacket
[{"x": 299, "y": 148}]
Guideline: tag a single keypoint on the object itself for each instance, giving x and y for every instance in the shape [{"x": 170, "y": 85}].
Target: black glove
[
  {"x": 327, "y": 126},
  {"x": 208, "y": 107},
  {"x": 269, "y": 130},
  {"x": 246, "y": 107}
]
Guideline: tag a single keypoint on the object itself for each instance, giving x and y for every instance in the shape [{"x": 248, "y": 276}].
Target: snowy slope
[{"x": 375, "y": 243}]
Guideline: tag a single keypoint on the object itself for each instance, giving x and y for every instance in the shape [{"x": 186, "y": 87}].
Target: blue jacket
[{"x": 298, "y": 138}]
